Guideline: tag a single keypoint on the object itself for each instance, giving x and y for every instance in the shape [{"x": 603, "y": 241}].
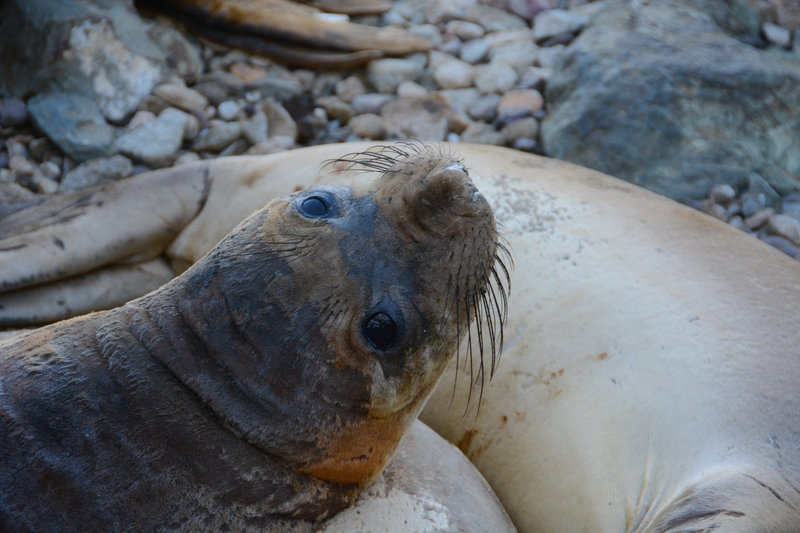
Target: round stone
[{"x": 454, "y": 74}]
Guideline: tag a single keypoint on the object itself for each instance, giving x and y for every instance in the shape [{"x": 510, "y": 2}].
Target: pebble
[
  {"x": 73, "y": 123},
  {"x": 13, "y": 112},
  {"x": 279, "y": 120},
  {"x": 524, "y": 128},
  {"x": 429, "y": 32},
  {"x": 474, "y": 51},
  {"x": 516, "y": 54},
  {"x": 495, "y": 78},
  {"x": 722, "y": 194},
  {"x": 790, "y": 205},
  {"x": 425, "y": 119},
  {"x": 464, "y": 30},
  {"x": 460, "y": 100},
  {"x": 782, "y": 244},
  {"x": 485, "y": 108},
  {"x": 752, "y": 203},
  {"x": 279, "y": 143},
  {"x": 96, "y": 172},
  {"x": 218, "y": 136},
  {"x": 139, "y": 119},
  {"x": 349, "y": 88},
  {"x": 248, "y": 73},
  {"x": 519, "y": 103},
  {"x": 386, "y": 74},
  {"x": 411, "y": 89},
  {"x": 155, "y": 143},
  {"x": 255, "y": 127},
  {"x": 368, "y": 126},
  {"x": 454, "y": 74},
  {"x": 228, "y": 110},
  {"x": 534, "y": 78},
  {"x": 182, "y": 97},
  {"x": 715, "y": 210},
  {"x": 549, "y": 57},
  {"x": 482, "y": 133},
  {"x": 759, "y": 219},
  {"x": 187, "y": 157},
  {"x": 370, "y": 102},
  {"x": 554, "y": 22},
  {"x": 786, "y": 227},
  {"x": 776, "y": 35}
]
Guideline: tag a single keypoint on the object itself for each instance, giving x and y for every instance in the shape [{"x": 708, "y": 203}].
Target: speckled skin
[{"x": 245, "y": 393}]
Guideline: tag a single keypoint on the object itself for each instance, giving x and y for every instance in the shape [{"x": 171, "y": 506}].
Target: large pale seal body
[{"x": 270, "y": 382}]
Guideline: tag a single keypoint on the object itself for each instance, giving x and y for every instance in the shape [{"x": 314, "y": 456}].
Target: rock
[
  {"x": 370, "y": 102},
  {"x": 96, "y": 172},
  {"x": 633, "y": 100},
  {"x": 453, "y": 74},
  {"x": 411, "y": 89},
  {"x": 248, "y": 73},
  {"x": 776, "y": 35},
  {"x": 752, "y": 202},
  {"x": 474, "y": 51},
  {"x": 139, "y": 119},
  {"x": 349, "y": 88},
  {"x": 517, "y": 54},
  {"x": 715, "y": 210},
  {"x": 386, "y": 74},
  {"x": 790, "y": 205},
  {"x": 181, "y": 56},
  {"x": 424, "y": 119},
  {"x": 182, "y": 97},
  {"x": 464, "y": 30},
  {"x": 429, "y": 32},
  {"x": 155, "y": 143},
  {"x": 336, "y": 110},
  {"x": 555, "y": 22},
  {"x": 279, "y": 120},
  {"x": 492, "y": 19},
  {"x": 485, "y": 108},
  {"x": 228, "y": 110},
  {"x": 237, "y": 147},
  {"x": 758, "y": 219},
  {"x": 280, "y": 143},
  {"x": 523, "y": 128},
  {"x": 786, "y": 227},
  {"x": 255, "y": 127},
  {"x": 519, "y": 103},
  {"x": 368, "y": 126},
  {"x": 12, "y": 112},
  {"x": 436, "y": 12},
  {"x": 460, "y": 100},
  {"x": 550, "y": 56},
  {"x": 218, "y": 136},
  {"x": 99, "y": 49},
  {"x": 482, "y": 133},
  {"x": 529, "y": 9},
  {"x": 495, "y": 78},
  {"x": 782, "y": 244},
  {"x": 722, "y": 194},
  {"x": 73, "y": 123},
  {"x": 186, "y": 157}
]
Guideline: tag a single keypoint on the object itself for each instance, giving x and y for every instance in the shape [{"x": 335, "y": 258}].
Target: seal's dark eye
[
  {"x": 314, "y": 207},
  {"x": 380, "y": 330}
]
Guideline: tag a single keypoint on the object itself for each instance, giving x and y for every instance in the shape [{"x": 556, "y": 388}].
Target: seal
[{"x": 271, "y": 381}]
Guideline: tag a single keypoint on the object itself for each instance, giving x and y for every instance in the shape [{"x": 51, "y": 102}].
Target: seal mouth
[{"x": 477, "y": 292}]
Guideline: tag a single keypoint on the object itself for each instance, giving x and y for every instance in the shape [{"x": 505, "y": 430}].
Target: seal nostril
[{"x": 314, "y": 207}]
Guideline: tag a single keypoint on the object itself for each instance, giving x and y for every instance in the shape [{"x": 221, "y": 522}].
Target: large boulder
[
  {"x": 100, "y": 49},
  {"x": 678, "y": 95}
]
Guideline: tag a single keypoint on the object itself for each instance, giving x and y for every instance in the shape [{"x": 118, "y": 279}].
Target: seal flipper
[{"x": 734, "y": 500}]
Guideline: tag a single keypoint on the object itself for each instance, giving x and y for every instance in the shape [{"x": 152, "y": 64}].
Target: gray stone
[
  {"x": 519, "y": 103},
  {"x": 752, "y": 202},
  {"x": 790, "y": 205},
  {"x": 279, "y": 120},
  {"x": 99, "y": 49},
  {"x": 557, "y": 21},
  {"x": 386, "y": 74},
  {"x": 776, "y": 35},
  {"x": 786, "y": 227},
  {"x": 182, "y": 97},
  {"x": 425, "y": 119},
  {"x": 758, "y": 219},
  {"x": 96, "y": 172},
  {"x": 368, "y": 126},
  {"x": 218, "y": 136},
  {"x": 460, "y": 100},
  {"x": 464, "y": 30},
  {"x": 523, "y": 128},
  {"x": 492, "y": 19},
  {"x": 73, "y": 123},
  {"x": 453, "y": 74},
  {"x": 632, "y": 99},
  {"x": 349, "y": 88},
  {"x": 482, "y": 133},
  {"x": 280, "y": 143},
  {"x": 182, "y": 57},
  {"x": 228, "y": 110},
  {"x": 474, "y": 51},
  {"x": 485, "y": 108},
  {"x": 784, "y": 245},
  {"x": 370, "y": 102},
  {"x": 495, "y": 78},
  {"x": 722, "y": 194},
  {"x": 715, "y": 210},
  {"x": 411, "y": 89},
  {"x": 155, "y": 143},
  {"x": 429, "y": 32},
  {"x": 255, "y": 128},
  {"x": 517, "y": 54},
  {"x": 549, "y": 57}
]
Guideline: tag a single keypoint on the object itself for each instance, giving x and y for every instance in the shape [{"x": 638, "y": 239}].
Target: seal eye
[
  {"x": 314, "y": 207},
  {"x": 380, "y": 330}
]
